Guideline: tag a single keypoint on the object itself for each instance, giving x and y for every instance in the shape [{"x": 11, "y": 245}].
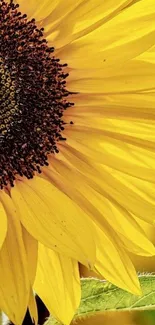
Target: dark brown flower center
[{"x": 32, "y": 96}]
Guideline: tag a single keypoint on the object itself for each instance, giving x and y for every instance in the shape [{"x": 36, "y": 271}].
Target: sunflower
[{"x": 77, "y": 173}]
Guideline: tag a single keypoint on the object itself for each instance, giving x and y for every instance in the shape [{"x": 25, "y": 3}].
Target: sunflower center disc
[{"x": 32, "y": 96}]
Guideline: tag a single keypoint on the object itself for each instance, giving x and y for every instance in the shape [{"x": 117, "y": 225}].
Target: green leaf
[
  {"x": 52, "y": 321},
  {"x": 100, "y": 296},
  {"x": 1, "y": 321}
]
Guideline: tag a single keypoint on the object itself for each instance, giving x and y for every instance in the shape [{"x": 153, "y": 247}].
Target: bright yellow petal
[
  {"x": 138, "y": 192},
  {"x": 135, "y": 107},
  {"x": 148, "y": 56},
  {"x": 133, "y": 76},
  {"x": 128, "y": 34},
  {"x": 14, "y": 284},
  {"x": 107, "y": 183},
  {"x": 31, "y": 247},
  {"x": 139, "y": 133},
  {"x": 62, "y": 11},
  {"x": 33, "y": 307},
  {"x": 54, "y": 220},
  {"x": 82, "y": 17},
  {"x": 130, "y": 232},
  {"x": 32, "y": 254},
  {"x": 37, "y": 9},
  {"x": 129, "y": 142},
  {"x": 3, "y": 228},
  {"x": 102, "y": 208},
  {"x": 58, "y": 284},
  {"x": 114, "y": 264},
  {"x": 109, "y": 247}
]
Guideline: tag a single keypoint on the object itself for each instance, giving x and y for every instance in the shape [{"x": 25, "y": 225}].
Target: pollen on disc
[{"x": 33, "y": 96}]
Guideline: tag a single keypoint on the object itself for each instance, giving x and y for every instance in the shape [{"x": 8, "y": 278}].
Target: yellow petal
[
  {"x": 14, "y": 284},
  {"x": 116, "y": 140},
  {"x": 82, "y": 17},
  {"x": 134, "y": 76},
  {"x": 32, "y": 254},
  {"x": 109, "y": 247},
  {"x": 140, "y": 193},
  {"x": 58, "y": 284},
  {"x": 31, "y": 247},
  {"x": 102, "y": 208},
  {"x": 109, "y": 184},
  {"x": 128, "y": 34},
  {"x": 3, "y": 228},
  {"x": 33, "y": 307},
  {"x": 139, "y": 133},
  {"x": 148, "y": 56},
  {"x": 114, "y": 264},
  {"x": 62, "y": 11},
  {"x": 37, "y": 9},
  {"x": 135, "y": 107},
  {"x": 54, "y": 220},
  {"x": 124, "y": 224}
]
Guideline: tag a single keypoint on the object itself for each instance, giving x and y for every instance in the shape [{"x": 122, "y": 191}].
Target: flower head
[{"x": 76, "y": 147}]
